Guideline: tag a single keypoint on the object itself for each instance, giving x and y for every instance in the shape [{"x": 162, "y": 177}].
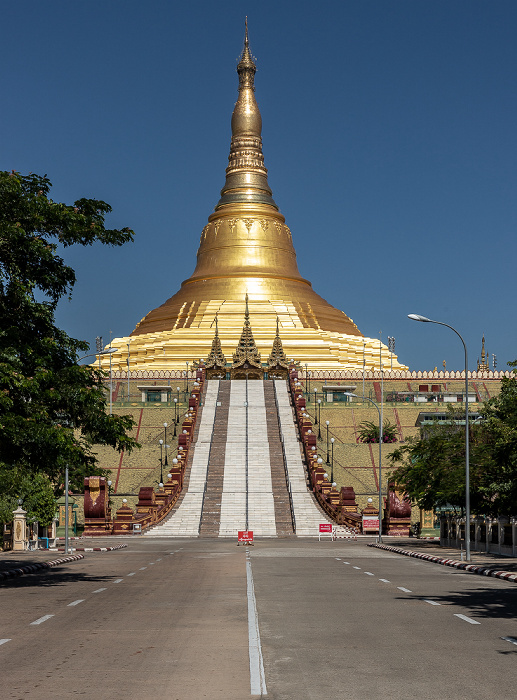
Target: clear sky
[{"x": 389, "y": 132}]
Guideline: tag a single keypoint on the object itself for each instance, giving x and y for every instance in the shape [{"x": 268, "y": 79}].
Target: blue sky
[{"x": 389, "y": 132}]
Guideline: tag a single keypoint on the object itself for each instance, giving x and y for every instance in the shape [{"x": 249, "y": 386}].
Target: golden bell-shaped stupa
[{"x": 246, "y": 249}]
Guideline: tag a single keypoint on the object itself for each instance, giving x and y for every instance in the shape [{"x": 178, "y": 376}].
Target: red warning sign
[
  {"x": 325, "y": 527},
  {"x": 245, "y": 536}
]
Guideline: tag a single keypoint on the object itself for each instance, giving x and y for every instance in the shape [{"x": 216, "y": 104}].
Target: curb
[
  {"x": 12, "y": 573},
  {"x": 93, "y": 549},
  {"x": 480, "y": 570}
]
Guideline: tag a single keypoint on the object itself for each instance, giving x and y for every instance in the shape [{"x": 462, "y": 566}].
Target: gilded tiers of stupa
[{"x": 247, "y": 249}]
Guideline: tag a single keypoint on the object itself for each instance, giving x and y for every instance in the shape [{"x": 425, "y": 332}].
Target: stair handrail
[
  {"x": 286, "y": 471},
  {"x": 247, "y": 440},
  {"x": 209, "y": 453}
]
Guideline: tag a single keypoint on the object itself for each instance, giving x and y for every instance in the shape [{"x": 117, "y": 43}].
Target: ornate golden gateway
[{"x": 246, "y": 249}]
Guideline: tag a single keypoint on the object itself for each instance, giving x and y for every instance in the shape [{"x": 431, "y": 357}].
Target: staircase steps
[
  {"x": 284, "y": 523},
  {"x": 211, "y": 516}
]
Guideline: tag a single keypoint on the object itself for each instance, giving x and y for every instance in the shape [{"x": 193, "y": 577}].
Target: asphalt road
[{"x": 302, "y": 620}]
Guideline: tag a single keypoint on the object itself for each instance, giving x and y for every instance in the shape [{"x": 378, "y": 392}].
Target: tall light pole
[
  {"x": 177, "y": 400},
  {"x": 365, "y": 398},
  {"x": 327, "y": 423},
  {"x": 166, "y": 446},
  {"x": 161, "y": 460},
  {"x": 315, "y": 404},
  {"x": 187, "y": 363},
  {"x": 424, "y": 319},
  {"x": 319, "y": 419},
  {"x": 332, "y": 461},
  {"x": 175, "y": 414},
  {"x": 127, "y": 372}
]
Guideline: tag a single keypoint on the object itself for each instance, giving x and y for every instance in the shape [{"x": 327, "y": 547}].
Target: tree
[
  {"x": 52, "y": 410},
  {"x": 369, "y": 431},
  {"x": 431, "y": 467}
]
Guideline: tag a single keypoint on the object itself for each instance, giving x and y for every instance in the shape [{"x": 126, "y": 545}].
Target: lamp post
[
  {"x": 319, "y": 421},
  {"x": 365, "y": 398},
  {"x": 364, "y": 362},
  {"x": 109, "y": 482},
  {"x": 306, "y": 378},
  {"x": 165, "y": 442},
  {"x": 178, "y": 398},
  {"x": 391, "y": 348},
  {"x": 175, "y": 414},
  {"x": 332, "y": 460},
  {"x": 127, "y": 371},
  {"x": 315, "y": 407},
  {"x": 424, "y": 319},
  {"x": 327, "y": 423},
  {"x": 187, "y": 363},
  {"x": 66, "y": 511},
  {"x": 161, "y": 461}
]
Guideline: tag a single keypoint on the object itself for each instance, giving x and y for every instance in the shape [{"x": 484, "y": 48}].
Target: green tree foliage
[
  {"x": 369, "y": 431},
  {"x": 431, "y": 467},
  {"x": 52, "y": 410}
]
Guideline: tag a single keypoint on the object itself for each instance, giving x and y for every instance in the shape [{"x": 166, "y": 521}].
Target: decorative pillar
[{"x": 19, "y": 529}]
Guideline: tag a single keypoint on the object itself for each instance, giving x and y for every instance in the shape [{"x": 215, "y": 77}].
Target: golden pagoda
[{"x": 246, "y": 249}]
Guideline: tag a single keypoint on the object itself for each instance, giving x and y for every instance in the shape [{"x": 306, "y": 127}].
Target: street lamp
[
  {"x": 315, "y": 397},
  {"x": 166, "y": 446},
  {"x": 177, "y": 400},
  {"x": 327, "y": 423},
  {"x": 332, "y": 460},
  {"x": 127, "y": 371},
  {"x": 424, "y": 319},
  {"x": 109, "y": 482},
  {"x": 365, "y": 398},
  {"x": 306, "y": 378},
  {"x": 161, "y": 460},
  {"x": 175, "y": 414},
  {"x": 319, "y": 421},
  {"x": 187, "y": 363}
]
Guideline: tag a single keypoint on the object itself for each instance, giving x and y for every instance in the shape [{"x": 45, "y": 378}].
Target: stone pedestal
[{"x": 19, "y": 529}]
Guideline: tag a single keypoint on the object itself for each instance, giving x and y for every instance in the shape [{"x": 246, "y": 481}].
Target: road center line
[
  {"x": 384, "y": 580},
  {"x": 369, "y": 573},
  {"x": 257, "y": 677},
  {"x": 357, "y": 567},
  {"x": 143, "y": 567},
  {"x": 4, "y": 641},
  {"x": 99, "y": 590},
  {"x": 346, "y": 562},
  {"x": 41, "y": 619},
  {"x": 404, "y": 590},
  {"x": 76, "y": 602},
  {"x": 431, "y": 602},
  {"x": 132, "y": 574},
  {"x": 467, "y": 619},
  {"x": 117, "y": 580}
]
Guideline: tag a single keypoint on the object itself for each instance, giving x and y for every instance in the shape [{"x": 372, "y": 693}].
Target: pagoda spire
[
  {"x": 277, "y": 359},
  {"x": 246, "y": 174},
  {"x": 246, "y": 354}
]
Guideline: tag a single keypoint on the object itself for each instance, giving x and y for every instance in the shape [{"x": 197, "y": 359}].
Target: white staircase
[
  {"x": 184, "y": 522},
  {"x": 307, "y": 514}
]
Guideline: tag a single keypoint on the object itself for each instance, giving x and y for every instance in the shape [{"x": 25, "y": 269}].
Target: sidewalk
[{"x": 488, "y": 561}]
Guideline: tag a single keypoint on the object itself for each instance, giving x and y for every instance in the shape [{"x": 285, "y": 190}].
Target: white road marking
[
  {"x": 131, "y": 574},
  {"x": 384, "y": 580},
  {"x": 76, "y": 602},
  {"x": 404, "y": 590},
  {"x": 99, "y": 590},
  {"x": 431, "y": 602},
  {"x": 4, "y": 641},
  {"x": 512, "y": 640},
  {"x": 143, "y": 567},
  {"x": 159, "y": 559},
  {"x": 41, "y": 619},
  {"x": 338, "y": 558},
  {"x": 369, "y": 573},
  {"x": 357, "y": 567},
  {"x": 467, "y": 619},
  {"x": 151, "y": 563},
  {"x": 117, "y": 580},
  {"x": 257, "y": 676},
  {"x": 346, "y": 562}
]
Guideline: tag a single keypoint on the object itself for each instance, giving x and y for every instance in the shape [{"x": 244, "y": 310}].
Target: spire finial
[{"x": 246, "y": 312}]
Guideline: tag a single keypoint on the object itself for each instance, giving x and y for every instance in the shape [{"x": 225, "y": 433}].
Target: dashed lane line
[
  {"x": 369, "y": 573},
  {"x": 117, "y": 580},
  {"x": 384, "y": 580},
  {"x": 431, "y": 602},
  {"x": 4, "y": 641},
  {"x": 76, "y": 602},
  {"x": 404, "y": 590},
  {"x": 142, "y": 568},
  {"x": 357, "y": 567},
  {"x": 512, "y": 640},
  {"x": 99, "y": 590},
  {"x": 467, "y": 619},
  {"x": 132, "y": 574},
  {"x": 41, "y": 619},
  {"x": 346, "y": 562}
]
